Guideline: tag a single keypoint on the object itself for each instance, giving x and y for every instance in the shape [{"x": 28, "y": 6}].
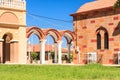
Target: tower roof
[{"x": 98, "y": 4}]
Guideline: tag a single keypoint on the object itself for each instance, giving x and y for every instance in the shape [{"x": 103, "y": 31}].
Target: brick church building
[{"x": 97, "y": 29}]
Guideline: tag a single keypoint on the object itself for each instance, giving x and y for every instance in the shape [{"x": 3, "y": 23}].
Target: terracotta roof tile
[
  {"x": 36, "y": 48},
  {"x": 98, "y": 4}
]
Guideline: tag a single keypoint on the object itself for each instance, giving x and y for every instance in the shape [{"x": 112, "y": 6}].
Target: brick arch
[
  {"x": 9, "y": 17},
  {"x": 101, "y": 28},
  {"x": 54, "y": 34},
  {"x": 10, "y": 35},
  {"x": 36, "y": 31},
  {"x": 69, "y": 35}
]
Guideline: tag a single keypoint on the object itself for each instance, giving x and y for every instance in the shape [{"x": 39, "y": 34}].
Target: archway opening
[
  {"x": 50, "y": 49},
  {"x": 56, "y": 46},
  {"x": 64, "y": 50},
  {"x": 6, "y": 47},
  {"x": 67, "y": 48},
  {"x": 33, "y": 49}
]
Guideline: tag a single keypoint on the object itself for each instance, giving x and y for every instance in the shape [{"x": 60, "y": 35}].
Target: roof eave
[{"x": 84, "y": 12}]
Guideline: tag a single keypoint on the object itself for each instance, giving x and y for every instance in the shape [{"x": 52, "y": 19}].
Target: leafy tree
[{"x": 117, "y": 4}]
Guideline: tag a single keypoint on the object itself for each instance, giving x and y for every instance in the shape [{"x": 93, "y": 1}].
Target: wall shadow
[{"x": 116, "y": 30}]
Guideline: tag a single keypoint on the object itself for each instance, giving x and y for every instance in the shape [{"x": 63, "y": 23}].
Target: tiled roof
[
  {"x": 36, "y": 48},
  {"x": 98, "y": 4}
]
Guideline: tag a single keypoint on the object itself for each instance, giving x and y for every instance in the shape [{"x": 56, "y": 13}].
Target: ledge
[
  {"x": 1, "y": 40},
  {"x": 11, "y": 25},
  {"x": 14, "y": 41}
]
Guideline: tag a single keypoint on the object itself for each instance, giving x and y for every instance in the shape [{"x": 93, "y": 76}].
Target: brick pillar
[{"x": 14, "y": 51}]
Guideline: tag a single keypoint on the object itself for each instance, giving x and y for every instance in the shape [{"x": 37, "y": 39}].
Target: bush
[
  {"x": 71, "y": 57},
  {"x": 33, "y": 55}
]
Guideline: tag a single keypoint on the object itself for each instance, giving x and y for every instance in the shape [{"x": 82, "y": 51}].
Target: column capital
[
  {"x": 43, "y": 40},
  {"x": 1, "y": 40},
  {"x": 60, "y": 42},
  {"x": 14, "y": 41}
]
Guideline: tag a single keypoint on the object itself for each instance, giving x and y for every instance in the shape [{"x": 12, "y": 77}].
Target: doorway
[{"x": 6, "y": 47}]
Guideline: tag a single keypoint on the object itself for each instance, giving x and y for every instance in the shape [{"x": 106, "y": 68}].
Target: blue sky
[{"x": 58, "y": 9}]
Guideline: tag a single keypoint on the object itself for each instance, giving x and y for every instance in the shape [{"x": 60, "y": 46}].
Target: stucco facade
[{"x": 13, "y": 31}]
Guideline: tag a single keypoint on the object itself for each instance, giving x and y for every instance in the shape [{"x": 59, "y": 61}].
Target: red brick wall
[{"x": 86, "y": 34}]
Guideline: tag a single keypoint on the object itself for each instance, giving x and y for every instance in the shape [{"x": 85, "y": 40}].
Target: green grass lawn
[{"x": 58, "y": 72}]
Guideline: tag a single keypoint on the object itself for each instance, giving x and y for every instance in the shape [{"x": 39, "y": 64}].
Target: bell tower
[{"x": 13, "y": 31}]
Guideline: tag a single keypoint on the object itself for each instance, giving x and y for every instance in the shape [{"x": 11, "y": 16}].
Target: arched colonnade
[{"x": 57, "y": 37}]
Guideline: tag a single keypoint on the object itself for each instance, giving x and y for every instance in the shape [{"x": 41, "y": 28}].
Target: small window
[
  {"x": 98, "y": 41},
  {"x": 106, "y": 43}
]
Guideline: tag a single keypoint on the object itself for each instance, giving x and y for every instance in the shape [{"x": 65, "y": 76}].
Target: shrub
[
  {"x": 33, "y": 55},
  {"x": 71, "y": 57}
]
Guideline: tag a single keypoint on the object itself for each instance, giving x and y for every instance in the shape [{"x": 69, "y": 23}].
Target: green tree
[
  {"x": 71, "y": 57},
  {"x": 117, "y": 4}
]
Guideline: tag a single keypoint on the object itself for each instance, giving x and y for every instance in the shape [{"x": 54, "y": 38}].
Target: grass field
[{"x": 58, "y": 72}]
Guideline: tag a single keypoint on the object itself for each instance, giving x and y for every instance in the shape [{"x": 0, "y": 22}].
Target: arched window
[
  {"x": 106, "y": 43},
  {"x": 98, "y": 41},
  {"x": 102, "y": 32}
]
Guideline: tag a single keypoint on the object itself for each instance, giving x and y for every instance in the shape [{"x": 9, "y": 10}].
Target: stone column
[
  {"x": 55, "y": 52},
  {"x": 59, "y": 52},
  {"x": 42, "y": 51},
  {"x": 1, "y": 50},
  {"x": 69, "y": 45}
]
